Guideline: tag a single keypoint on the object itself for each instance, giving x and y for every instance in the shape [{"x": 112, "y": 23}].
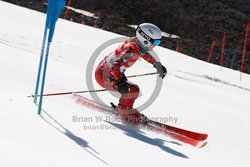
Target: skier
[{"x": 110, "y": 72}]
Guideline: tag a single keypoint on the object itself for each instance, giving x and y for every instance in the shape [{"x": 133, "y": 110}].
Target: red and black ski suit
[{"x": 112, "y": 68}]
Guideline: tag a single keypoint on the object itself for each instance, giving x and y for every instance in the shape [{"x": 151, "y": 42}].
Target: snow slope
[{"x": 195, "y": 93}]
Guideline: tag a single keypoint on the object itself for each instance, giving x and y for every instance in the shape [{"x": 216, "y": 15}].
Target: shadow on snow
[
  {"x": 139, "y": 135},
  {"x": 82, "y": 143}
]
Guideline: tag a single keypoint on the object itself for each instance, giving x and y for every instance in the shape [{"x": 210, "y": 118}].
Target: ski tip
[
  {"x": 204, "y": 137},
  {"x": 202, "y": 145}
]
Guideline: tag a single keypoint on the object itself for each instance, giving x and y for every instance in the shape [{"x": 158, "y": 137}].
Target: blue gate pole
[
  {"x": 40, "y": 65},
  {"x": 47, "y": 25},
  {"x": 56, "y": 7},
  {"x": 43, "y": 79}
]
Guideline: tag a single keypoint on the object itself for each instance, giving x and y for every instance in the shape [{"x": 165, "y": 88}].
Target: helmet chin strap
[{"x": 142, "y": 48}]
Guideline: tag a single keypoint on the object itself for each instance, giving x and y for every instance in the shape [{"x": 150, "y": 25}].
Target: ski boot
[{"x": 129, "y": 114}]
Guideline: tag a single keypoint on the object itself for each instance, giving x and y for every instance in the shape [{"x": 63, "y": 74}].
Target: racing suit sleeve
[
  {"x": 149, "y": 58},
  {"x": 118, "y": 54}
]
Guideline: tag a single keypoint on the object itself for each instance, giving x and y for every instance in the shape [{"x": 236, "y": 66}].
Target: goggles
[{"x": 155, "y": 42}]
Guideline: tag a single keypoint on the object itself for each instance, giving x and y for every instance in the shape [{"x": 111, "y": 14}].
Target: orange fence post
[
  {"x": 222, "y": 50},
  {"x": 244, "y": 51},
  {"x": 177, "y": 49},
  {"x": 211, "y": 51},
  {"x": 66, "y": 12}
]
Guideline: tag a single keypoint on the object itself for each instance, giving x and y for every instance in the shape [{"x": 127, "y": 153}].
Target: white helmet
[{"x": 148, "y": 33}]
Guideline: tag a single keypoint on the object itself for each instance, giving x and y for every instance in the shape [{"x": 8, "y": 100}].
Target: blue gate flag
[{"x": 54, "y": 13}]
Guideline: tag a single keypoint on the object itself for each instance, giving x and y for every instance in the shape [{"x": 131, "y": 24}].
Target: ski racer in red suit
[{"x": 110, "y": 72}]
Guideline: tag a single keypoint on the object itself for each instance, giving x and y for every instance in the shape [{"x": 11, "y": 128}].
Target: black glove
[
  {"x": 122, "y": 86},
  {"x": 160, "y": 69}
]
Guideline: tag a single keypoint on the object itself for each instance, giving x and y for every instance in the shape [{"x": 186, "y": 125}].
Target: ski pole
[
  {"x": 89, "y": 91},
  {"x": 140, "y": 75},
  {"x": 67, "y": 93}
]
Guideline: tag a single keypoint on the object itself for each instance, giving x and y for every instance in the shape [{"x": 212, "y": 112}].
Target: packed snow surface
[{"x": 195, "y": 95}]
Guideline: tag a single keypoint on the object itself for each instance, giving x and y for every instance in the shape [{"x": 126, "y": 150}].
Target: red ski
[
  {"x": 192, "y": 138},
  {"x": 183, "y": 132},
  {"x": 177, "y": 134}
]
